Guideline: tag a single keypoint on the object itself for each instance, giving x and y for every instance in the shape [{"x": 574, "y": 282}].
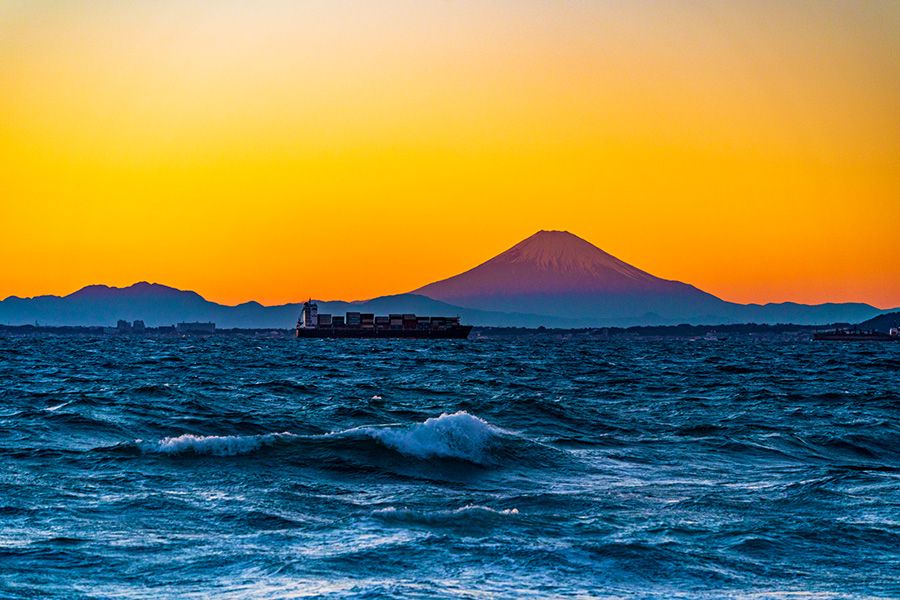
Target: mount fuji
[{"x": 558, "y": 274}]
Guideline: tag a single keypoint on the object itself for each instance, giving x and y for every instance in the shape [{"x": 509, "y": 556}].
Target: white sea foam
[
  {"x": 469, "y": 508},
  {"x": 58, "y": 406},
  {"x": 460, "y": 514},
  {"x": 457, "y": 435},
  {"x": 475, "y": 507},
  {"x": 226, "y": 445}
]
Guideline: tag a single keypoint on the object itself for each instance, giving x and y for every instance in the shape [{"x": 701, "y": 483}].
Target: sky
[{"x": 347, "y": 149}]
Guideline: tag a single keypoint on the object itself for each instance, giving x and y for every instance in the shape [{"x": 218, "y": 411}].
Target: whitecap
[
  {"x": 461, "y": 515},
  {"x": 58, "y": 406},
  {"x": 456, "y": 435},
  {"x": 214, "y": 445}
]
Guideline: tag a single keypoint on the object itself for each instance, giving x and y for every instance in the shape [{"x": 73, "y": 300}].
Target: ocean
[{"x": 249, "y": 467}]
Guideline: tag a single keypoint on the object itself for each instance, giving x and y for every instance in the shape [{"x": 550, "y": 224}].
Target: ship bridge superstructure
[{"x": 309, "y": 316}]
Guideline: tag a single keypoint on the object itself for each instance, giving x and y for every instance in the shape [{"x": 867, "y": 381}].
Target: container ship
[{"x": 367, "y": 325}]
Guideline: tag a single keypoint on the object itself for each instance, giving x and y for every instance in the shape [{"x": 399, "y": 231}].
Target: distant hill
[
  {"x": 883, "y": 323},
  {"x": 559, "y": 274},
  {"x": 153, "y": 303},
  {"x": 158, "y": 305}
]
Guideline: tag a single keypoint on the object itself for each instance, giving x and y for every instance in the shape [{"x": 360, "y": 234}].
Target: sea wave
[
  {"x": 471, "y": 514},
  {"x": 457, "y": 435},
  {"x": 659, "y": 476},
  {"x": 214, "y": 445}
]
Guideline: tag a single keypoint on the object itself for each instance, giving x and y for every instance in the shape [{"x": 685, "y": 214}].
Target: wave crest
[
  {"x": 457, "y": 435},
  {"x": 469, "y": 516},
  {"x": 214, "y": 445},
  {"x": 462, "y": 510}
]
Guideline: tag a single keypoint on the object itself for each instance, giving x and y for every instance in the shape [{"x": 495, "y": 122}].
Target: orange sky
[{"x": 348, "y": 148}]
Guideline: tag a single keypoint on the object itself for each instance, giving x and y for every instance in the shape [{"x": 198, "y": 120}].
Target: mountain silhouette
[
  {"x": 882, "y": 323},
  {"x": 558, "y": 274},
  {"x": 160, "y": 305},
  {"x": 552, "y": 278},
  {"x": 103, "y": 305}
]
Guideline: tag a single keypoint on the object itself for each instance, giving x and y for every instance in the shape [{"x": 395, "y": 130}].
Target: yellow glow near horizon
[{"x": 349, "y": 149}]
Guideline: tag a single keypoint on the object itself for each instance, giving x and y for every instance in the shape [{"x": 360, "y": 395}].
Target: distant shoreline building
[{"x": 124, "y": 327}]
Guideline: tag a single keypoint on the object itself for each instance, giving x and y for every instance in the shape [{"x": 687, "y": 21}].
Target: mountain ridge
[
  {"x": 551, "y": 278},
  {"x": 91, "y": 310},
  {"x": 57, "y": 310},
  {"x": 158, "y": 304},
  {"x": 562, "y": 275}
]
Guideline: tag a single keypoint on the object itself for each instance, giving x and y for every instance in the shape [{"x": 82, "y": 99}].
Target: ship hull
[{"x": 454, "y": 333}]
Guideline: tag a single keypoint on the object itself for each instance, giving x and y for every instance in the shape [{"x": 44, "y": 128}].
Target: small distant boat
[{"x": 857, "y": 335}]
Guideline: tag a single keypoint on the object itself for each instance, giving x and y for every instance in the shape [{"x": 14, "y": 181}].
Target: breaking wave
[
  {"x": 214, "y": 445},
  {"x": 469, "y": 515},
  {"x": 457, "y": 435}
]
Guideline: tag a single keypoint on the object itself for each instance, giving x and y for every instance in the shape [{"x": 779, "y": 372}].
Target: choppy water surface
[{"x": 269, "y": 468}]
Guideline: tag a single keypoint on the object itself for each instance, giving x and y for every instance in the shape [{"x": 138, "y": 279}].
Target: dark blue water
[{"x": 241, "y": 467}]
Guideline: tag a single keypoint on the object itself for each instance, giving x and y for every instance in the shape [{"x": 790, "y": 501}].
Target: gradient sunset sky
[{"x": 349, "y": 149}]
